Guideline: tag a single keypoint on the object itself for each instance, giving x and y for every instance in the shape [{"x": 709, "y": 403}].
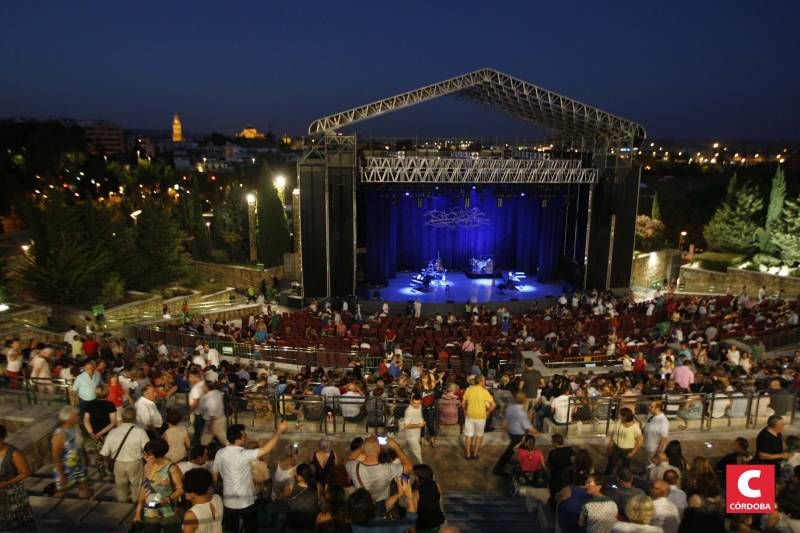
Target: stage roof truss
[
  {"x": 557, "y": 113},
  {"x": 473, "y": 171}
]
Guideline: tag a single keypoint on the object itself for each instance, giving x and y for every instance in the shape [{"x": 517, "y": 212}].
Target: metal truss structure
[
  {"x": 566, "y": 117},
  {"x": 452, "y": 170}
]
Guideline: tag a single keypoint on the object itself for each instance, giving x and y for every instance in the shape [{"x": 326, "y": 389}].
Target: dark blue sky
[{"x": 723, "y": 70}]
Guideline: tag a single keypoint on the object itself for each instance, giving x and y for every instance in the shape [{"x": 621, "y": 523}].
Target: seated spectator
[
  {"x": 352, "y": 403},
  {"x": 531, "y": 461}
]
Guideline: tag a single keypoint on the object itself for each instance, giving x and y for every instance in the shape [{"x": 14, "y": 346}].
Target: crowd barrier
[{"x": 685, "y": 411}]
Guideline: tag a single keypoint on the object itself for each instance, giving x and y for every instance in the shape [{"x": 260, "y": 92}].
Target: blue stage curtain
[{"x": 521, "y": 235}]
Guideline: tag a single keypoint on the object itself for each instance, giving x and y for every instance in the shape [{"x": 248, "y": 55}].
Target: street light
[
  {"x": 208, "y": 229},
  {"x": 280, "y": 184},
  {"x": 681, "y": 240},
  {"x": 251, "y": 225},
  {"x": 135, "y": 215}
]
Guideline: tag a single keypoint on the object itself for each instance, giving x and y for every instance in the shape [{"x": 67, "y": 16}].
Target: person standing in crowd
[
  {"x": 428, "y": 495},
  {"x": 177, "y": 437},
  {"x": 365, "y": 515},
  {"x": 625, "y": 440},
  {"x": 125, "y": 445},
  {"x": 478, "y": 405},
  {"x": 100, "y": 418},
  {"x": 530, "y": 382},
  {"x": 206, "y": 513},
  {"x": 69, "y": 460},
  {"x": 14, "y": 362},
  {"x": 623, "y": 490},
  {"x": 517, "y": 425},
  {"x": 769, "y": 443},
  {"x": 196, "y": 392},
  {"x": 656, "y": 430},
  {"x": 234, "y": 465},
  {"x": 147, "y": 414},
  {"x": 161, "y": 491},
  {"x": 599, "y": 514},
  {"x": 639, "y": 511},
  {"x": 413, "y": 424},
  {"x": 212, "y": 409},
  {"x": 15, "y": 509},
  {"x": 85, "y": 385},
  {"x": 665, "y": 513},
  {"x": 366, "y": 471}
]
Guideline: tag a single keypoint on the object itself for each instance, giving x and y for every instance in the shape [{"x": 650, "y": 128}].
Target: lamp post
[
  {"x": 682, "y": 239},
  {"x": 208, "y": 229},
  {"x": 252, "y": 206},
  {"x": 135, "y": 216},
  {"x": 280, "y": 184}
]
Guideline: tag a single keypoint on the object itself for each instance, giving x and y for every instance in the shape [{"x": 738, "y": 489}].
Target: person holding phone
[{"x": 367, "y": 472}]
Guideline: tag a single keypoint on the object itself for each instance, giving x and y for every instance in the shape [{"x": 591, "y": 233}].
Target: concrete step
[{"x": 490, "y": 511}]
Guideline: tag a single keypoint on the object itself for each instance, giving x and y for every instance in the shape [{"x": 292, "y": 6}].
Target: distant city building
[
  {"x": 104, "y": 137},
  {"x": 177, "y": 129},
  {"x": 251, "y": 133}
]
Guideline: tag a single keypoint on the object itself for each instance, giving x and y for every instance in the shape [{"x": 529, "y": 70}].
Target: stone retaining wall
[
  {"x": 237, "y": 276},
  {"x": 695, "y": 279},
  {"x": 31, "y": 315},
  {"x": 648, "y": 268}
]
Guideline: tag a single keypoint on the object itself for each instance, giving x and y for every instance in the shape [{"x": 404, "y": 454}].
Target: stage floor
[{"x": 460, "y": 288}]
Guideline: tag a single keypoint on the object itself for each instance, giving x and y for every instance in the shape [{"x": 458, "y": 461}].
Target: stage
[{"x": 460, "y": 288}]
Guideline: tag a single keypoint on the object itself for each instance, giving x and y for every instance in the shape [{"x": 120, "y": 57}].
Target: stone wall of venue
[
  {"x": 651, "y": 267},
  {"x": 237, "y": 276},
  {"x": 754, "y": 280},
  {"x": 695, "y": 279},
  {"x": 26, "y": 315}
]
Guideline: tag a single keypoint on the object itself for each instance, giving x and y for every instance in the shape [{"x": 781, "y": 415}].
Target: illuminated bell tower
[{"x": 177, "y": 129}]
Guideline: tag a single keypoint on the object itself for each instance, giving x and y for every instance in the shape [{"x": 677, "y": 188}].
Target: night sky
[{"x": 725, "y": 70}]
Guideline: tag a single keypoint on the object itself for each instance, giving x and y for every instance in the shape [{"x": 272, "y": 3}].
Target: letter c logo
[{"x": 744, "y": 484}]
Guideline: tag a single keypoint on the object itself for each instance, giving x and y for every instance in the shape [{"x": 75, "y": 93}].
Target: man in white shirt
[
  {"x": 212, "y": 357},
  {"x": 147, "y": 415},
  {"x": 126, "y": 442},
  {"x": 234, "y": 464},
  {"x": 40, "y": 364},
  {"x": 560, "y": 406},
  {"x": 212, "y": 408},
  {"x": 329, "y": 392},
  {"x": 656, "y": 430},
  {"x": 162, "y": 348},
  {"x": 196, "y": 392},
  {"x": 199, "y": 358},
  {"x": 666, "y": 514},
  {"x": 351, "y": 402},
  {"x": 676, "y": 495},
  {"x": 413, "y": 424},
  {"x": 69, "y": 336}
]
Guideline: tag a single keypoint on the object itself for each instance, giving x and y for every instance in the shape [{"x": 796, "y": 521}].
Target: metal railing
[{"x": 691, "y": 411}]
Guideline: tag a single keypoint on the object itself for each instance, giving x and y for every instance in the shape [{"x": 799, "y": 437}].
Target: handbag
[{"x": 113, "y": 460}]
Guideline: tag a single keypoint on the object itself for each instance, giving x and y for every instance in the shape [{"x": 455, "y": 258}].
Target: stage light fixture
[
  {"x": 544, "y": 202},
  {"x": 499, "y": 201},
  {"x": 466, "y": 201},
  {"x": 419, "y": 202}
]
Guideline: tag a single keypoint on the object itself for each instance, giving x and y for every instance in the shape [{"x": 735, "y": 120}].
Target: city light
[
  {"x": 251, "y": 198},
  {"x": 280, "y": 182}
]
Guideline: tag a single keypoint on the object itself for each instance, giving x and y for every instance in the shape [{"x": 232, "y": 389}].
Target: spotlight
[
  {"x": 408, "y": 194},
  {"x": 499, "y": 201},
  {"x": 522, "y": 194}
]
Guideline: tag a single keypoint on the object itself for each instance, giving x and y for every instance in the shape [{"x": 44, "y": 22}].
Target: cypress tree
[
  {"x": 273, "y": 227},
  {"x": 655, "y": 211},
  {"x": 777, "y": 195}
]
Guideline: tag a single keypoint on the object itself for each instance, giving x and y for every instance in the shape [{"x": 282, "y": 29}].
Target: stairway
[{"x": 490, "y": 512}]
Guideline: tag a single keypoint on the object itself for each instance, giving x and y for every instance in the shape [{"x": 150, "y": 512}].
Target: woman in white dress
[{"x": 205, "y": 515}]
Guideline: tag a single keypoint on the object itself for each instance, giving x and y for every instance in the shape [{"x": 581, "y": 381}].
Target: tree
[
  {"x": 777, "y": 195},
  {"x": 786, "y": 235},
  {"x": 273, "y": 227},
  {"x": 735, "y": 227},
  {"x": 160, "y": 256},
  {"x": 655, "y": 211},
  {"x": 649, "y": 233},
  {"x": 69, "y": 271},
  {"x": 730, "y": 195}
]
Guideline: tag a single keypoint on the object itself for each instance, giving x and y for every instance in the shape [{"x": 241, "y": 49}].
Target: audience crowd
[{"x": 155, "y": 418}]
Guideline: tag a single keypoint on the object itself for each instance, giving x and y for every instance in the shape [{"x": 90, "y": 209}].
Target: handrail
[{"x": 673, "y": 404}]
